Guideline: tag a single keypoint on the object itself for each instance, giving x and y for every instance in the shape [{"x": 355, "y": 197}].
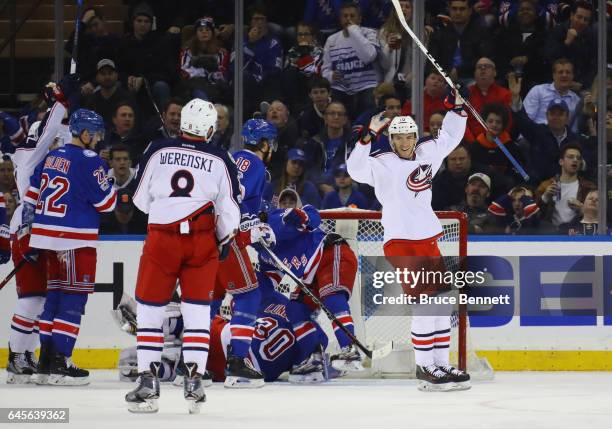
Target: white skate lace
[
  {"x": 435, "y": 371},
  {"x": 451, "y": 369}
]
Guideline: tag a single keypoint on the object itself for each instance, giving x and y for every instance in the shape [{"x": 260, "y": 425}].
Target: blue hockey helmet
[
  {"x": 84, "y": 119},
  {"x": 255, "y": 130}
]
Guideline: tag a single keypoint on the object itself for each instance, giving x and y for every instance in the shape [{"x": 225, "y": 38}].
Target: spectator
[
  {"x": 126, "y": 218},
  {"x": 329, "y": 148},
  {"x": 396, "y": 52},
  {"x": 545, "y": 140},
  {"x": 11, "y": 204},
  {"x": 286, "y": 127},
  {"x": 486, "y": 91},
  {"x": 223, "y": 135},
  {"x": 349, "y": 61},
  {"x": 155, "y": 130},
  {"x": 263, "y": 61},
  {"x": 477, "y": 191},
  {"x": 435, "y": 123},
  {"x": 458, "y": 45},
  {"x": 311, "y": 119},
  {"x": 588, "y": 224},
  {"x": 204, "y": 64},
  {"x": 108, "y": 93},
  {"x": 449, "y": 184},
  {"x": 302, "y": 63},
  {"x": 485, "y": 151},
  {"x": 575, "y": 41},
  {"x": 7, "y": 175},
  {"x": 345, "y": 195},
  {"x": 547, "y": 11},
  {"x": 146, "y": 54},
  {"x": 539, "y": 97},
  {"x": 515, "y": 212},
  {"x": 11, "y": 133},
  {"x": 95, "y": 43},
  {"x": 121, "y": 167},
  {"x": 433, "y": 97},
  {"x": 293, "y": 176},
  {"x": 521, "y": 46},
  {"x": 123, "y": 121},
  {"x": 560, "y": 197},
  {"x": 324, "y": 15}
]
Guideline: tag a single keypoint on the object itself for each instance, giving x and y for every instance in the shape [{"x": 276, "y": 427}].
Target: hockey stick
[
  {"x": 473, "y": 111},
  {"x": 372, "y": 354},
  {"x": 152, "y": 100},
  {"x": 75, "y": 45},
  {"x": 12, "y": 273}
]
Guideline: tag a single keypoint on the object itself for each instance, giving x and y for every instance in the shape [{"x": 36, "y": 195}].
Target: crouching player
[
  {"x": 402, "y": 183},
  {"x": 328, "y": 266}
]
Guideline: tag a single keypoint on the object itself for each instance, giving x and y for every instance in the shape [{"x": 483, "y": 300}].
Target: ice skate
[
  {"x": 193, "y": 390},
  {"x": 347, "y": 360},
  {"x": 309, "y": 371},
  {"x": 460, "y": 378},
  {"x": 18, "y": 369},
  {"x": 63, "y": 372},
  {"x": 433, "y": 379},
  {"x": 241, "y": 374},
  {"x": 44, "y": 364},
  {"x": 143, "y": 399}
]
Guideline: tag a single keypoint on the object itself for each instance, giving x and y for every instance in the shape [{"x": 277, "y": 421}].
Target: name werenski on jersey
[{"x": 186, "y": 160}]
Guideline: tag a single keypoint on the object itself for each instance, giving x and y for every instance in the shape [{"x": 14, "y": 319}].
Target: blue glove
[{"x": 296, "y": 217}]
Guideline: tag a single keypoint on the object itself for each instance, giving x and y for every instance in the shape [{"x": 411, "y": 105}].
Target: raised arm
[{"x": 359, "y": 164}]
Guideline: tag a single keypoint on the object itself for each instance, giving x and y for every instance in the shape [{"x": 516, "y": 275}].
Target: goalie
[{"x": 402, "y": 183}]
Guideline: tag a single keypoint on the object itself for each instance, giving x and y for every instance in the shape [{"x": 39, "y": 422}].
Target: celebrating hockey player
[
  {"x": 402, "y": 183},
  {"x": 236, "y": 274},
  {"x": 328, "y": 266},
  {"x": 191, "y": 192},
  {"x": 61, "y": 213},
  {"x": 31, "y": 278}
]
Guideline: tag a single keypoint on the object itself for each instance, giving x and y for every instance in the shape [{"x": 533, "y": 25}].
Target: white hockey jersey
[
  {"x": 403, "y": 186},
  {"x": 178, "y": 177},
  {"x": 32, "y": 151}
]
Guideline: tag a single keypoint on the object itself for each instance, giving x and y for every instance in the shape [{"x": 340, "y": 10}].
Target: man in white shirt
[{"x": 121, "y": 166}]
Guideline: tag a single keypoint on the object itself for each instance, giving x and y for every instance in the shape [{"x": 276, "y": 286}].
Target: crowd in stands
[{"x": 324, "y": 72}]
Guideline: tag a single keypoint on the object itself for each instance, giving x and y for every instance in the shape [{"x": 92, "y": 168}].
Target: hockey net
[{"x": 363, "y": 231}]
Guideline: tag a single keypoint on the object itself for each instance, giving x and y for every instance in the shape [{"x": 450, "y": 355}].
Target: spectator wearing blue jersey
[
  {"x": 11, "y": 133},
  {"x": 293, "y": 177},
  {"x": 263, "y": 62},
  {"x": 345, "y": 195},
  {"x": 324, "y": 15},
  {"x": 350, "y": 61}
]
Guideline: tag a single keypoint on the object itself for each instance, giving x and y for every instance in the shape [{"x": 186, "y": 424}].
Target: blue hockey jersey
[
  {"x": 70, "y": 188},
  {"x": 252, "y": 173},
  {"x": 299, "y": 250}
]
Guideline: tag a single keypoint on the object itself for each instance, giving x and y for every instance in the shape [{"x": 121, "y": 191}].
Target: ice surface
[{"x": 534, "y": 399}]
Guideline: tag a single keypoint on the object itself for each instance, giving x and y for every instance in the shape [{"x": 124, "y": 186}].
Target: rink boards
[{"x": 543, "y": 275}]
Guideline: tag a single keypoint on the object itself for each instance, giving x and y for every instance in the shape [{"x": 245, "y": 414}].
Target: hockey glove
[
  {"x": 5, "y": 244},
  {"x": 296, "y": 217},
  {"x": 66, "y": 92},
  {"x": 23, "y": 243},
  {"x": 263, "y": 234},
  {"x": 454, "y": 100},
  {"x": 224, "y": 247}
]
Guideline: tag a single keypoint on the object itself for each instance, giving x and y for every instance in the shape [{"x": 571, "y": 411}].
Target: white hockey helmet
[
  {"x": 199, "y": 117},
  {"x": 403, "y": 125}
]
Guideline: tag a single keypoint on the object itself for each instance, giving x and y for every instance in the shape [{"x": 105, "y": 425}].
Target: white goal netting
[{"x": 373, "y": 325}]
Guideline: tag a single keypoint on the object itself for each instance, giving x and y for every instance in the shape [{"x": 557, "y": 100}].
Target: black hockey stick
[
  {"x": 152, "y": 100},
  {"x": 372, "y": 354},
  {"x": 75, "y": 45},
  {"x": 12, "y": 273}
]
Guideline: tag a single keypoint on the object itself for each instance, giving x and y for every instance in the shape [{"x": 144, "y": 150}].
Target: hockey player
[
  {"x": 236, "y": 274},
  {"x": 61, "y": 213},
  {"x": 402, "y": 183},
  {"x": 191, "y": 192},
  {"x": 31, "y": 279},
  {"x": 328, "y": 266}
]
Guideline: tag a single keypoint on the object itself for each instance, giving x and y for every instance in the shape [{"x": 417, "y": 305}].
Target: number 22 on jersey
[{"x": 50, "y": 204}]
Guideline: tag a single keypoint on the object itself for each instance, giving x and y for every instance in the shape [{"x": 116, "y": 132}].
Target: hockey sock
[
  {"x": 196, "y": 336},
  {"x": 24, "y": 329},
  {"x": 50, "y": 309},
  {"x": 149, "y": 335},
  {"x": 423, "y": 331},
  {"x": 304, "y": 329},
  {"x": 442, "y": 338},
  {"x": 338, "y": 305},
  {"x": 67, "y": 321},
  {"x": 242, "y": 324}
]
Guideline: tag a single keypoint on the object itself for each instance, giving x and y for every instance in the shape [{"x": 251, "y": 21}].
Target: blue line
[{"x": 540, "y": 238}]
